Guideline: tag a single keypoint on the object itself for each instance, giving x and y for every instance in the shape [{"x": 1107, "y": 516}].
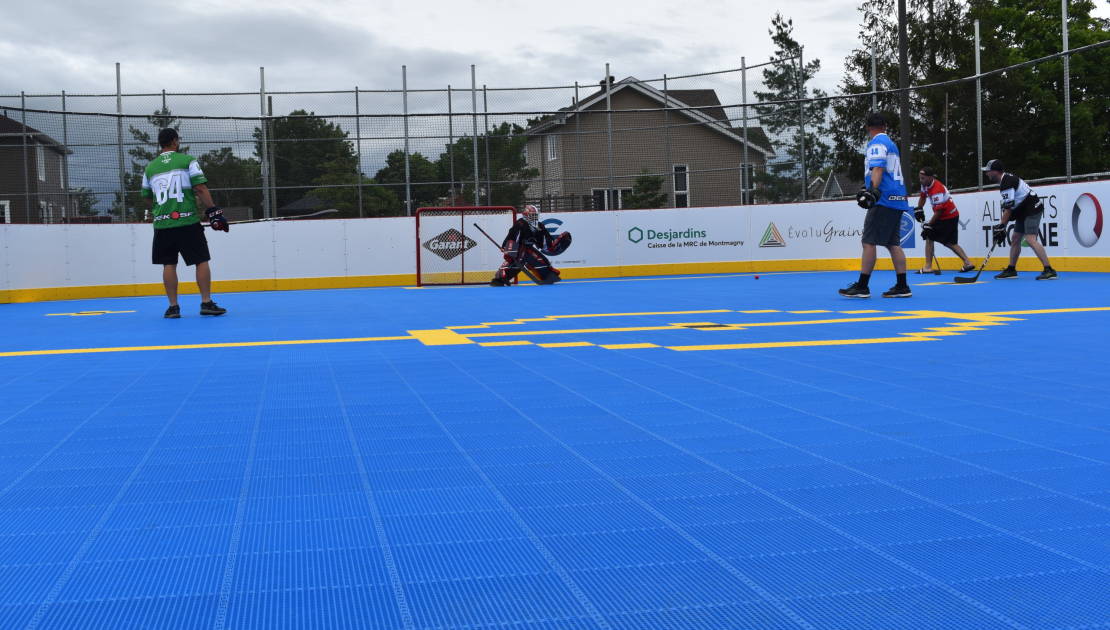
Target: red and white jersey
[{"x": 943, "y": 206}]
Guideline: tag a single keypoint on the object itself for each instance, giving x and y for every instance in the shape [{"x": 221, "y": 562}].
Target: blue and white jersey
[{"x": 881, "y": 151}]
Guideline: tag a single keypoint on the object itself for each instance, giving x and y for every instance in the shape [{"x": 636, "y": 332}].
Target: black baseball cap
[
  {"x": 995, "y": 165},
  {"x": 876, "y": 119},
  {"x": 167, "y": 136},
  {"x": 928, "y": 171}
]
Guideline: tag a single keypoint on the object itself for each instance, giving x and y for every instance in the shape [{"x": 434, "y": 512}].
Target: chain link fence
[{"x": 661, "y": 142}]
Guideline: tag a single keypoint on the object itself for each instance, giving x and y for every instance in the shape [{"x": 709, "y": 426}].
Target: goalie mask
[{"x": 531, "y": 214}]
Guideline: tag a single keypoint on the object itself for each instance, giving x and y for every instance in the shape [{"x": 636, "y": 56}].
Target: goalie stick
[
  {"x": 975, "y": 278},
  {"x": 523, "y": 268}
]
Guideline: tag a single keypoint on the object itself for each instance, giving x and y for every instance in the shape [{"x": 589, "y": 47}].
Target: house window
[
  {"x": 44, "y": 214},
  {"x": 614, "y": 200},
  {"x": 40, "y": 162},
  {"x": 524, "y": 152},
  {"x": 681, "y": 186},
  {"x": 6, "y": 210},
  {"x": 747, "y": 183},
  {"x": 552, "y": 153}
]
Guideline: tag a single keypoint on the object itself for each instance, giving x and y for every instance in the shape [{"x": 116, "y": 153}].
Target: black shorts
[
  {"x": 881, "y": 226},
  {"x": 947, "y": 231},
  {"x": 188, "y": 240}
]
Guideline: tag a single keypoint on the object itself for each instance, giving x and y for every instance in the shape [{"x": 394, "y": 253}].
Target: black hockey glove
[
  {"x": 999, "y": 234},
  {"x": 216, "y": 219},
  {"x": 927, "y": 232},
  {"x": 866, "y": 198},
  {"x": 919, "y": 215}
]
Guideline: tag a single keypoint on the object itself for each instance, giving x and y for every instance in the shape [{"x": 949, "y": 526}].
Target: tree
[
  {"x": 304, "y": 149},
  {"x": 1027, "y": 99},
  {"x": 234, "y": 181},
  {"x": 502, "y": 177},
  {"x": 339, "y": 189},
  {"x": 784, "y": 122},
  {"x": 647, "y": 192},
  {"x": 425, "y": 186},
  {"x": 84, "y": 200}
]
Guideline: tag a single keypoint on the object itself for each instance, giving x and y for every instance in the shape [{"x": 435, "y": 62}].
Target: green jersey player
[{"x": 175, "y": 182}]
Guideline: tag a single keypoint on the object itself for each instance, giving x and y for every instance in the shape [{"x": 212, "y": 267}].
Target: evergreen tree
[
  {"x": 647, "y": 192},
  {"x": 784, "y": 81}
]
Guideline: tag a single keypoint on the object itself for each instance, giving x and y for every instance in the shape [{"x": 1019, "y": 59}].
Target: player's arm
[{"x": 203, "y": 195}]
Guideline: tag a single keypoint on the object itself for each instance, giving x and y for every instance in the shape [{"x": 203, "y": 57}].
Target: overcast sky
[{"x": 208, "y": 45}]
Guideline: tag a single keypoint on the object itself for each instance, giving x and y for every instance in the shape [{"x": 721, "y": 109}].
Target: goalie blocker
[{"x": 526, "y": 247}]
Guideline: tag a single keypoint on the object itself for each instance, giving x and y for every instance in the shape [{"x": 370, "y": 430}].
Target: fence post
[
  {"x": 668, "y": 162},
  {"x": 905, "y": 120},
  {"x": 746, "y": 169},
  {"x": 474, "y": 120},
  {"x": 119, "y": 146},
  {"x": 65, "y": 159},
  {"x": 264, "y": 148},
  {"x": 405, "y": 112},
  {"x": 358, "y": 154},
  {"x": 451, "y": 142},
  {"x": 485, "y": 128},
  {"x": 26, "y": 165},
  {"x": 611, "y": 194},
  {"x": 875, "y": 82},
  {"x": 577, "y": 143},
  {"x": 802, "y": 121},
  {"x": 1067, "y": 89},
  {"x": 978, "y": 112}
]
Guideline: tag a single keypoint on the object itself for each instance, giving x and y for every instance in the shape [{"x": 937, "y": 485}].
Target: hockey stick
[
  {"x": 299, "y": 216},
  {"x": 975, "y": 278},
  {"x": 523, "y": 268}
]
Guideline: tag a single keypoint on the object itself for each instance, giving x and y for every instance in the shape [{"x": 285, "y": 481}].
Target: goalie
[{"x": 526, "y": 248}]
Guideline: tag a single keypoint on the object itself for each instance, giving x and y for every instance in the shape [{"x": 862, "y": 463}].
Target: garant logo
[
  {"x": 551, "y": 225},
  {"x": 772, "y": 237},
  {"x": 1086, "y": 220},
  {"x": 449, "y": 244},
  {"x": 635, "y": 235}
]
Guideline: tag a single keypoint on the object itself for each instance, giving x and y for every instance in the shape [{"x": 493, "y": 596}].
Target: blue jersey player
[{"x": 884, "y": 197}]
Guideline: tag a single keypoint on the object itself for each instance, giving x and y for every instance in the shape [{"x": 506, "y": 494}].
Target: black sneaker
[
  {"x": 173, "y": 312},
  {"x": 856, "y": 290},
  {"x": 1048, "y": 274},
  {"x": 211, "y": 308},
  {"x": 967, "y": 269},
  {"x": 898, "y": 291},
  {"x": 1008, "y": 272}
]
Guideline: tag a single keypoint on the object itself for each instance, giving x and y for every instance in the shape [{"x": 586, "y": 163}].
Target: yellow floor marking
[
  {"x": 86, "y": 313},
  {"x": 629, "y": 346},
  {"x": 467, "y": 327},
  {"x": 933, "y": 284},
  {"x": 195, "y": 346},
  {"x": 517, "y": 333},
  {"x": 440, "y": 337},
  {"x": 860, "y": 312},
  {"x": 536, "y": 319},
  {"x": 716, "y": 310},
  {"x": 769, "y": 310},
  {"x": 565, "y": 344},
  {"x": 1048, "y": 311},
  {"x": 806, "y": 312},
  {"x": 939, "y": 333},
  {"x": 512, "y": 323},
  {"x": 505, "y": 343},
  {"x": 796, "y": 344}
]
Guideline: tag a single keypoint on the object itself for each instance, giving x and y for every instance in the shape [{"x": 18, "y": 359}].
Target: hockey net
[{"x": 451, "y": 250}]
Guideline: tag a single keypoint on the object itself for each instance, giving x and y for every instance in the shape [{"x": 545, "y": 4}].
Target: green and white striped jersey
[{"x": 169, "y": 180}]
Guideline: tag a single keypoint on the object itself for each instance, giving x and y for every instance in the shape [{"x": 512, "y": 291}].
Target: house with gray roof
[{"x": 589, "y": 158}]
